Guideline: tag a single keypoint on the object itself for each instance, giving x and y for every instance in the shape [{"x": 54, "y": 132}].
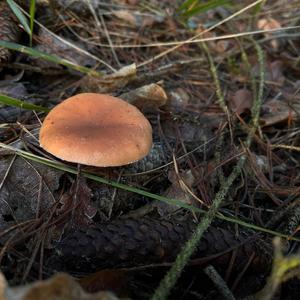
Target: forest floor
[{"x": 213, "y": 211}]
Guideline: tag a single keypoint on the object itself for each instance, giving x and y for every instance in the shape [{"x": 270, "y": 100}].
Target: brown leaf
[
  {"x": 27, "y": 190},
  {"x": 112, "y": 280},
  {"x": 274, "y": 72},
  {"x": 147, "y": 96},
  {"x": 59, "y": 287},
  {"x": 11, "y": 87},
  {"x": 180, "y": 190},
  {"x": 270, "y": 24},
  {"x": 241, "y": 101},
  {"x": 276, "y": 111},
  {"x": 109, "y": 83},
  {"x": 179, "y": 98},
  {"x": 137, "y": 19},
  {"x": 77, "y": 202}
]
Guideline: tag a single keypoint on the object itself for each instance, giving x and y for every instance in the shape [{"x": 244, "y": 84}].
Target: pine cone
[
  {"x": 133, "y": 242},
  {"x": 8, "y": 30}
]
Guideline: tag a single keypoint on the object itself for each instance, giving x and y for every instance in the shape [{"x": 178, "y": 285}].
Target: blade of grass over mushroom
[
  {"x": 72, "y": 170},
  {"x": 21, "y": 104},
  {"x": 48, "y": 57}
]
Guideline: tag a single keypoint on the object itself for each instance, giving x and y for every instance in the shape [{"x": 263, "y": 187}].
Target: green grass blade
[
  {"x": 186, "y": 5},
  {"x": 32, "y": 15},
  {"x": 21, "y": 104},
  {"x": 49, "y": 57},
  {"x": 20, "y": 16},
  {"x": 73, "y": 170},
  {"x": 201, "y": 8}
]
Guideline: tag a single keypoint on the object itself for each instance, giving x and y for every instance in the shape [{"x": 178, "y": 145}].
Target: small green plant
[{"x": 190, "y": 8}]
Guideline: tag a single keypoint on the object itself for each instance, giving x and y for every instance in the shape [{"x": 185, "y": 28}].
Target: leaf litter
[{"x": 196, "y": 146}]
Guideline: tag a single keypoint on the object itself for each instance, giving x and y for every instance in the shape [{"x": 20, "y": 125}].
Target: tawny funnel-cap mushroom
[{"x": 97, "y": 130}]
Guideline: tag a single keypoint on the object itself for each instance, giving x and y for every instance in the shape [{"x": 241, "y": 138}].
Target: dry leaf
[
  {"x": 77, "y": 202},
  {"x": 59, "y": 287},
  {"x": 147, "y": 96},
  {"x": 274, "y": 72},
  {"x": 137, "y": 19},
  {"x": 30, "y": 137},
  {"x": 109, "y": 83},
  {"x": 276, "y": 111},
  {"x": 108, "y": 279},
  {"x": 270, "y": 24},
  {"x": 216, "y": 46},
  {"x": 222, "y": 46},
  {"x": 179, "y": 99},
  {"x": 241, "y": 101},
  {"x": 180, "y": 190},
  {"x": 13, "y": 88},
  {"x": 27, "y": 190},
  {"x": 192, "y": 128}
]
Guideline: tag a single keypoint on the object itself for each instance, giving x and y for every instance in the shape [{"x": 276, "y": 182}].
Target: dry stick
[{"x": 168, "y": 282}]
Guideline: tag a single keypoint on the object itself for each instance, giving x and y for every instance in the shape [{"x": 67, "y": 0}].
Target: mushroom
[{"x": 97, "y": 130}]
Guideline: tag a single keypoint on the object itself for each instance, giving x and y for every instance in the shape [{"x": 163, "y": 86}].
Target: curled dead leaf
[
  {"x": 148, "y": 96},
  {"x": 109, "y": 83}
]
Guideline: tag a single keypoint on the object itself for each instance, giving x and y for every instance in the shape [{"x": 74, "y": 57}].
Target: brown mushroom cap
[{"x": 97, "y": 130}]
